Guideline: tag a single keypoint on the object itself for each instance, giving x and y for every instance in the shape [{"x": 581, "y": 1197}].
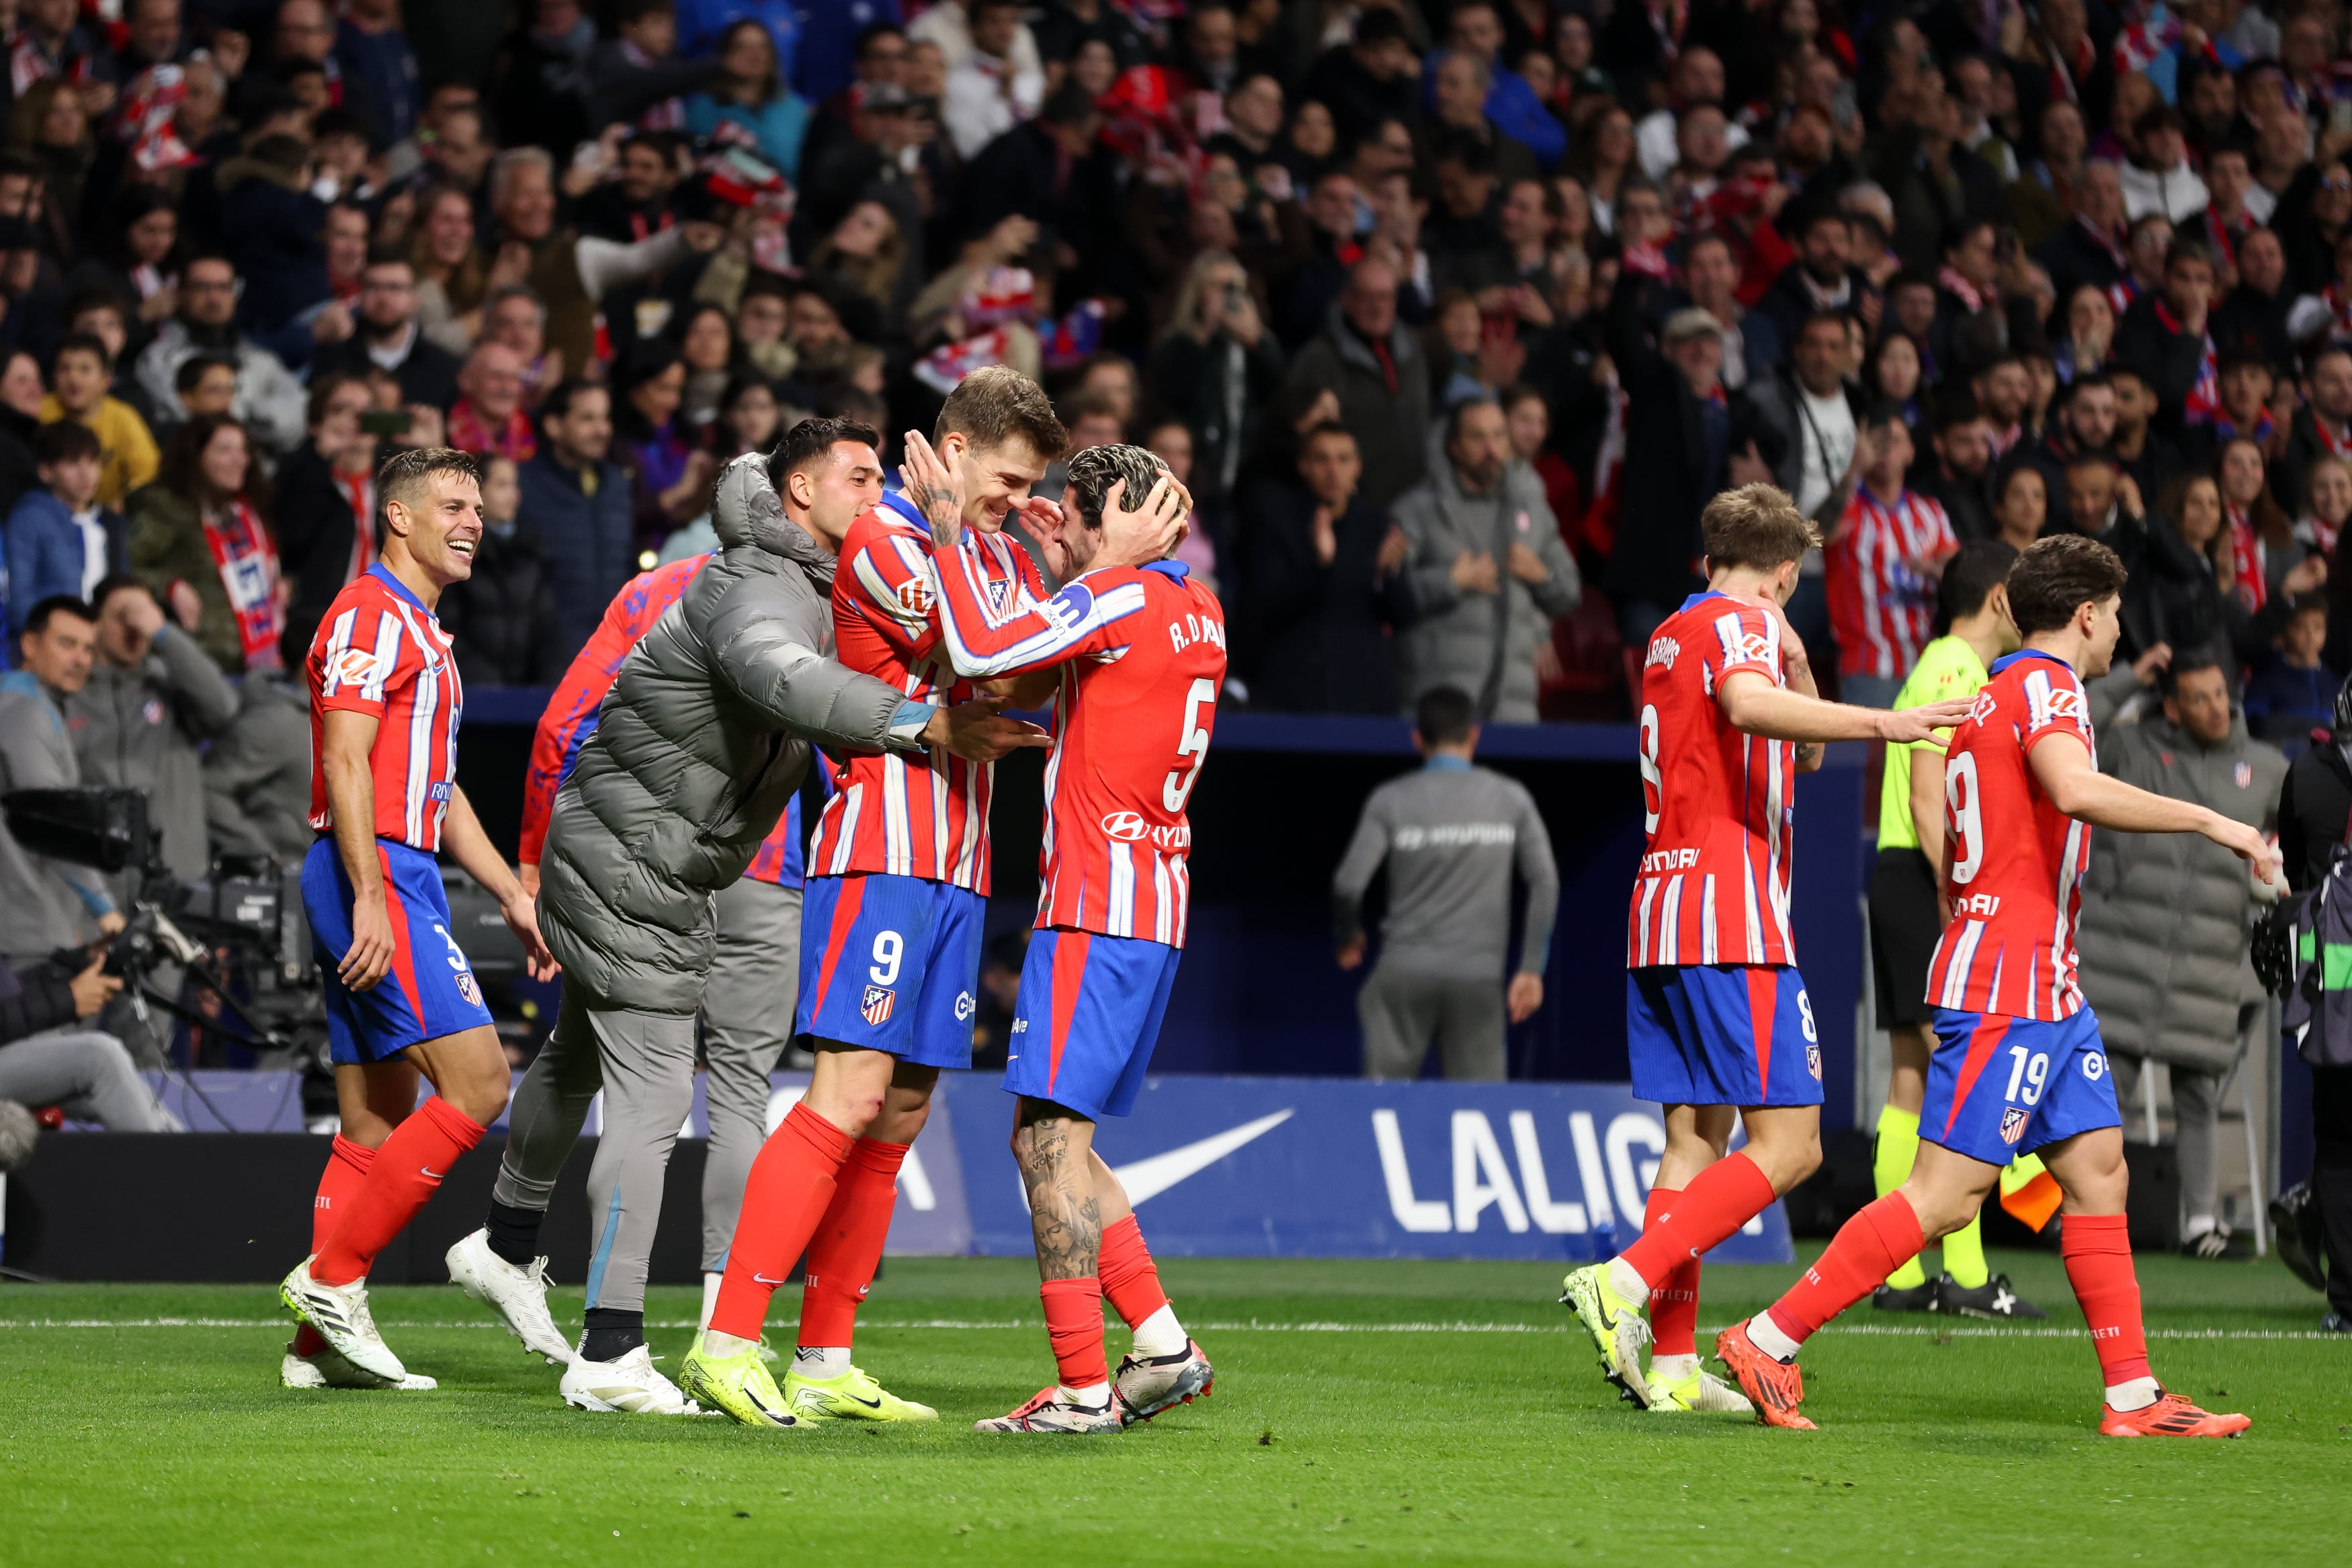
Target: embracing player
[
  {"x": 896, "y": 910},
  {"x": 1717, "y": 1016},
  {"x": 1136, "y": 651},
  {"x": 401, "y": 999},
  {"x": 2018, "y": 1065}
]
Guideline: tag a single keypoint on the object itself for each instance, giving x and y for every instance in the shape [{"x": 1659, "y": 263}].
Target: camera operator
[
  {"x": 46, "y": 904},
  {"x": 152, "y": 697},
  {"x": 87, "y": 1074},
  {"x": 2314, "y": 809}
]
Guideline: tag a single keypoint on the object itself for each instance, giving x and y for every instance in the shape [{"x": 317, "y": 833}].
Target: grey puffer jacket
[
  {"x": 138, "y": 729},
  {"x": 2165, "y": 915},
  {"x": 702, "y": 741},
  {"x": 1482, "y": 643}
]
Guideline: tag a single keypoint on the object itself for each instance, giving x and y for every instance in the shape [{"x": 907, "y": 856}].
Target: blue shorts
[
  {"x": 1722, "y": 1034},
  {"x": 891, "y": 963},
  {"x": 1087, "y": 1019},
  {"x": 1999, "y": 1087},
  {"x": 430, "y": 991}
]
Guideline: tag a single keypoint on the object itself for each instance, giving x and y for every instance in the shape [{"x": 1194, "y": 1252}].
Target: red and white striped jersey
[
  {"x": 1718, "y": 803},
  {"x": 895, "y": 815},
  {"x": 2013, "y": 860},
  {"x": 1881, "y": 608},
  {"x": 381, "y": 652},
  {"x": 1142, "y": 656}
]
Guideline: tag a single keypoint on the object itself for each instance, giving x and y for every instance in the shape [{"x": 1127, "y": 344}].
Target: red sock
[
  {"x": 1673, "y": 1302},
  {"x": 401, "y": 1179},
  {"x": 848, "y": 1246},
  {"x": 2097, "y": 1250},
  {"x": 791, "y": 1186},
  {"x": 347, "y": 1167},
  {"x": 1871, "y": 1245},
  {"x": 1717, "y": 1202},
  {"x": 1074, "y": 1322},
  {"x": 1129, "y": 1278}
]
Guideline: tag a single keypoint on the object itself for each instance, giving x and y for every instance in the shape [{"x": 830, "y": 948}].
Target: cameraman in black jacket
[{"x": 85, "y": 1072}]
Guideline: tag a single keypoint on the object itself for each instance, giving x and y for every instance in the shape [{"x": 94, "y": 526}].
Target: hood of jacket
[
  {"x": 236, "y": 172},
  {"x": 1402, "y": 347},
  {"x": 747, "y": 512},
  {"x": 1517, "y": 487}
]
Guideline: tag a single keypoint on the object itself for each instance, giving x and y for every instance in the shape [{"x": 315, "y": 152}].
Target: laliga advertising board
[
  {"x": 1275, "y": 1167},
  {"x": 1254, "y": 1168}
]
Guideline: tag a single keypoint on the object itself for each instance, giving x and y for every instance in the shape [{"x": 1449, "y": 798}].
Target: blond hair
[{"x": 1756, "y": 526}]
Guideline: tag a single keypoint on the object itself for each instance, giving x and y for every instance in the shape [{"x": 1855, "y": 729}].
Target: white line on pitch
[{"x": 1884, "y": 1331}]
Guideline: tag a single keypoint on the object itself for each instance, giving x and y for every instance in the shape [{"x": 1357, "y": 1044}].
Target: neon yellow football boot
[
  {"x": 739, "y": 1385},
  {"x": 1702, "y": 1391},
  {"x": 852, "y": 1397},
  {"x": 1619, "y": 1330}
]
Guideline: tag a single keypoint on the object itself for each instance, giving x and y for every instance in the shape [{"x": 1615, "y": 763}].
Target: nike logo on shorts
[
  {"x": 435, "y": 1174},
  {"x": 763, "y": 1280}
]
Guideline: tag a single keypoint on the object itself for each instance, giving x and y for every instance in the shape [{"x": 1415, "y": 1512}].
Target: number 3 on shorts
[{"x": 889, "y": 948}]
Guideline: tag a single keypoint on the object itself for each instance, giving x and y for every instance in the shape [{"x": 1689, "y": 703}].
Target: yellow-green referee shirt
[{"x": 1948, "y": 667}]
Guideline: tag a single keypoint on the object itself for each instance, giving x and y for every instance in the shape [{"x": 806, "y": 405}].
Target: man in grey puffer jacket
[
  {"x": 703, "y": 739},
  {"x": 2164, "y": 918},
  {"x": 153, "y": 695},
  {"x": 1488, "y": 572}
]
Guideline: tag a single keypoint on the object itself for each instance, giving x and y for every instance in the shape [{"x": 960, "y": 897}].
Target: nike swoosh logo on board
[{"x": 1148, "y": 1177}]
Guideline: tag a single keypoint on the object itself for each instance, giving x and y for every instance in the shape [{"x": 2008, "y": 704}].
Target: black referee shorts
[{"x": 1904, "y": 931}]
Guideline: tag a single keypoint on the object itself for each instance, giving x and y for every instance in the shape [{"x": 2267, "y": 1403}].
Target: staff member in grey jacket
[
  {"x": 1488, "y": 572},
  {"x": 152, "y": 696},
  {"x": 1450, "y": 834},
  {"x": 46, "y": 904},
  {"x": 2164, "y": 924},
  {"x": 703, "y": 739}
]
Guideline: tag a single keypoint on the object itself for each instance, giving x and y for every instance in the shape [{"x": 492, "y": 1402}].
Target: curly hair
[{"x": 1095, "y": 469}]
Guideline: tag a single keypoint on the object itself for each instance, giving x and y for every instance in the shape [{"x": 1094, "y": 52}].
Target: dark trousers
[{"x": 2331, "y": 1175}]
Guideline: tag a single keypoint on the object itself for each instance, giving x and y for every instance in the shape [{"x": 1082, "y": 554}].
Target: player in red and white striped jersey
[
  {"x": 1138, "y": 650},
  {"x": 1882, "y": 564},
  {"x": 1717, "y": 1016},
  {"x": 2018, "y": 1067},
  {"x": 401, "y": 998}
]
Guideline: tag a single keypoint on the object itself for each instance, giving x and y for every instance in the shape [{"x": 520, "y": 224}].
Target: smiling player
[{"x": 401, "y": 999}]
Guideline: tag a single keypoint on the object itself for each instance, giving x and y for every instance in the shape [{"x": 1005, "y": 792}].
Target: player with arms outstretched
[
  {"x": 897, "y": 904},
  {"x": 385, "y": 702},
  {"x": 1717, "y": 1016},
  {"x": 2018, "y": 1064},
  {"x": 1138, "y": 650}
]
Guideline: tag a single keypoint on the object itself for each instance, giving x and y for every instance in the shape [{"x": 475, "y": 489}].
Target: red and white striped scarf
[
  {"x": 2203, "y": 404},
  {"x": 247, "y": 564},
  {"x": 2246, "y": 554}
]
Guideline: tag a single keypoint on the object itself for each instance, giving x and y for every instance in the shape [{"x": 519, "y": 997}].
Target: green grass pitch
[{"x": 1350, "y": 1424}]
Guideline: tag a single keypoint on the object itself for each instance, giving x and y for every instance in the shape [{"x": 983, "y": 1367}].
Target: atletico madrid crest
[
  {"x": 2012, "y": 1120},
  {"x": 877, "y": 1007}
]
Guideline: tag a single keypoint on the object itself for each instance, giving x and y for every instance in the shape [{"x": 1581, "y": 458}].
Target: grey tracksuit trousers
[
  {"x": 644, "y": 1064},
  {"x": 87, "y": 1073}
]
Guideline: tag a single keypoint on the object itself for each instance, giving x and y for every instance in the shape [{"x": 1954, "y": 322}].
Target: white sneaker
[
  {"x": 327, "y": 1369},
  {"x": 518, "y": 1295},
  {"x": 1047, "y": 1411},
  {"x": 1146, "y": 1385},
  {"x": 1702, "y": 1391},
  {"x": 340, "y": 1314},
  {"x": 629, "y": 1385}
]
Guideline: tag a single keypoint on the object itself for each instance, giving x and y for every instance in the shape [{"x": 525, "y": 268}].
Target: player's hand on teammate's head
[
  {"x": 979, "y": 731},
  {"x": 1139, "y": 533},
  {"x": 1904, "y": 726}
]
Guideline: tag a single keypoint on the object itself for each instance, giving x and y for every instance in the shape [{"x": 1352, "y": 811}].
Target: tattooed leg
[{"x": 1052, "y": 1146}]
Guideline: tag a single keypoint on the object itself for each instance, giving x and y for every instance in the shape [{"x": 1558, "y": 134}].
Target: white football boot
[
  {"x": 518, "y": 1295},
  {"x": 327, "y": 1369},
  {"x": 629, "y": 1386},
  {"x": 340, "y": 1314}
]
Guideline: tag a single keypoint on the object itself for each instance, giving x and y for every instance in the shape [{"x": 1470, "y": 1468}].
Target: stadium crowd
[{"x": 1452, "y": 315}]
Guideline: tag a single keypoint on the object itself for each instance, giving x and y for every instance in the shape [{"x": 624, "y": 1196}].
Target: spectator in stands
[
  {"x": 61, "y": 542},
  {"x": 990, "y": 91},
  {"x": 391, "y": 337},
  {"x": 1323, "y": 583},
  {"x": 750, "y": 93},
  {"x": 577, "y": 506},
  {"x": 488, "y": 418},
  {"x": 200, "y": 538},
  {"x": 153, "y": 698},
  {"x": 1371, "y": 364},
  {"x": 126, "y": 451},
  {"x": 274, "y": 228},
  {"x": 2293, "y": 692},
  {"x": 207, "y": 384},
  {"x": 1884, "y": 559},
  {"x": 46, "y": 904},
  {"x": 2164, "y": 925},
  {"x": 1960, "y": 478},
  {"x": 326, "y": 508},
  {"x": 638, "y": 76},
  {"x": 668, "y": 472},
  {"x": 268, "y": 398},
  {"x": 1217, "y": 366},
  {"x": 1450, "y": 835},
  {"x": 503, "y": 618},
  {"x": 1485, "y": 570}
]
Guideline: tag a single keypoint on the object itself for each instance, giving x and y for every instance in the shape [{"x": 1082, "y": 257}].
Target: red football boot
[
  {"x": 1776, "y": 1387},
  {"x": 2170, "y": 1417}
]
